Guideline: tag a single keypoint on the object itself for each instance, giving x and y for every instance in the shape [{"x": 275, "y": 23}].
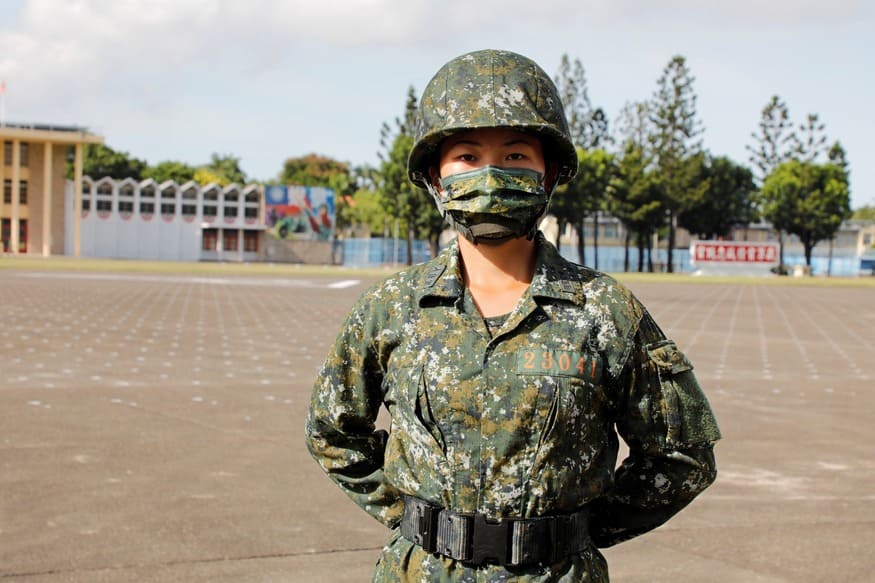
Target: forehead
[{"x": 491, "y": 137}]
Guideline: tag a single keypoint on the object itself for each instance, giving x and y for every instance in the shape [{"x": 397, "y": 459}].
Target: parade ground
[{"x": 152, "y": 423}]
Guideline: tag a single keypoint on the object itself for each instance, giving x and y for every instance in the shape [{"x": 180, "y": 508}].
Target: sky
[{"x": 266, "y": 80}]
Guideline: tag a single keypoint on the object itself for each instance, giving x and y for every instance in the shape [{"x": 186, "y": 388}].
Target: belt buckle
[
  {"x": 490, "y": 541},
  {"x": 425, "y": 524}
]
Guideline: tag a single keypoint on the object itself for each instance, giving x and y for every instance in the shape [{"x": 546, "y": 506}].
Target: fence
[{"x": 377, "y": 252}]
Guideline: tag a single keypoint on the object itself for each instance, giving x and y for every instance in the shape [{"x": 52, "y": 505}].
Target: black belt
[{"x": 472, "y": 539}]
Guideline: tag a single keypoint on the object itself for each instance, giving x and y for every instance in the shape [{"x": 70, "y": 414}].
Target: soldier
[{"x": 508, "y": 371}]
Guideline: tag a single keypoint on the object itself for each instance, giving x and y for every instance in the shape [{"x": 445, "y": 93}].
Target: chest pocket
[
  {"x": 572, "y": 400},
  {"x": 407, "y": 397}
]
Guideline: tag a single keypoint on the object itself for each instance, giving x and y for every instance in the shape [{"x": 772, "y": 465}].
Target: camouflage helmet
[{"x": 489, "y": 89}]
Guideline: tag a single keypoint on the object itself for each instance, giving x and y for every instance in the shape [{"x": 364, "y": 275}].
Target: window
[
  {"x": 103, "y": 201},
  {"x": 126, "y": 199},
  {"x": 229, "y": 210},
  {"x": 211, "y": 202},
  {"x": 867, "y": 239},
  {"x": 23, "y": 154},
  {"x": 86, "y": 197},
  {"x": 250, "y": 210},
  {"x": 229, "y": 240},
  {"x": 7, "y": 191},
  {"x": 250, "y": 241},
  {"x": 210, "y": 238},
  {"x": 5, "y": 233},
  {"x": 168, "y": 203},
  {"x": 147, "y": 201},
  {"x": 189, "y": 203}
]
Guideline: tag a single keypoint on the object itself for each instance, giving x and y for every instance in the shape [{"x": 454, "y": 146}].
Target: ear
[
  {"x": 551, "y": 176},
  {"x": 435, "y": 177}
]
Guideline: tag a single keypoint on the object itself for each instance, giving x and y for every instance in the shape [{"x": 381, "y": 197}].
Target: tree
[
  {"x": 635, "y": 198},
  {"x": 726, "y": 201},
  {"x": 675, "y": 138},
  {"x": 808, "y": 200},
  {"x": 837, "y": 155},
  {"x": 222, "y": 170},
  {"x": 400, "y": 197},
  {"x": 810, "y": 142},
  {"x": 365, "y": 209},
  {"x": 864, "y": 213},
  {"x": 99, "y": 161},
  {"x": 635, "y": 195},
  {"x": 584, "y": 194},
  {"x": 316, "y": 170},
  {"x": 588, "y": 126},
  {"x": 775, "y": 141},
  {"x": 634, "y": 127},
  {"x": 362, "y": 207},
  {"x": 179, "y": 172}
]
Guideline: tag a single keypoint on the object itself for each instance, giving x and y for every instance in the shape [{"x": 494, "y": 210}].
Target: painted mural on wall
[{"x": 300, "y": 212}]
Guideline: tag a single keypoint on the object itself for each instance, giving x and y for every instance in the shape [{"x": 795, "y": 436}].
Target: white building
[{"x": 127, "y": 219}]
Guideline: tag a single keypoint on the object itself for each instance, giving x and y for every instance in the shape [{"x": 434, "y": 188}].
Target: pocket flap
[{"x": 668, "y": 358}]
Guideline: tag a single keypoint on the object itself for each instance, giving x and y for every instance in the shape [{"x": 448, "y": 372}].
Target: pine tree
[{"x": 675, "y": 139}]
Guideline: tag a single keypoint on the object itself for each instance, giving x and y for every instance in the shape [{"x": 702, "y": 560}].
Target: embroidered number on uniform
[
  {"x": 564, "y": 362},
  {"x": 546, "y": 361},
  {"x": 560, "y": 362}
]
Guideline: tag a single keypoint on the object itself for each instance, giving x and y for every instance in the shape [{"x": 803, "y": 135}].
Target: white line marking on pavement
[
  {"x": 344, "y": 284},
  {"x": 250, "y": 281}
]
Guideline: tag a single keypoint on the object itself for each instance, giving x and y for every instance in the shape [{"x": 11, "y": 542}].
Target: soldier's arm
[
  {"x": 340, "y": 430},
  {"x": 668, "y": 424}
]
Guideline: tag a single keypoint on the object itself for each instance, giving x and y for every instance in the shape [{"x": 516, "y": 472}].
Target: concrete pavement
[{"x": 152, "y": 430}]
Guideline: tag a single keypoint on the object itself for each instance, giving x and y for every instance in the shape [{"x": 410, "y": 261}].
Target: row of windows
[
  {"x": 23, "y": 154},
  {"x": 7, "y": 191},
  {"x": 230, "y": 240},
  {"x": 147, "y": 207},
  {"x": 169, "y": 193},
  {"x": 166, "y": 201}
]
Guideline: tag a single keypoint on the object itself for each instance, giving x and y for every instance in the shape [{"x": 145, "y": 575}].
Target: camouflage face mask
[{"x": 492, "y": 204}]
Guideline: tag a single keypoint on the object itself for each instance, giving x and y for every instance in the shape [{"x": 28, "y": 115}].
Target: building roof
[{"x": 58, "y": 134}]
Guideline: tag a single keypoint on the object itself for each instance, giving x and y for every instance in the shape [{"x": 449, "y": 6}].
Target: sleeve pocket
[{"x": 688, "y": 416}]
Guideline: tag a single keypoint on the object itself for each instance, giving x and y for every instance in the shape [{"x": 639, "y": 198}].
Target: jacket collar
[{"x": 555, "y": 277}]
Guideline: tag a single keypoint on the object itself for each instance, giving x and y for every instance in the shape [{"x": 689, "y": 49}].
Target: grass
[
  {"x": 91, "y": 265},
  {"x": 818, "y": 281}
]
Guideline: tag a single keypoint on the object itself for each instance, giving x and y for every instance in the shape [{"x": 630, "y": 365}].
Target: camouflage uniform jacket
[{"x": 522, "y": 422}]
